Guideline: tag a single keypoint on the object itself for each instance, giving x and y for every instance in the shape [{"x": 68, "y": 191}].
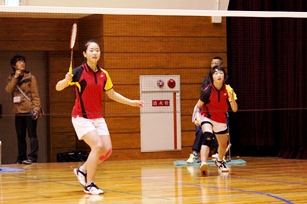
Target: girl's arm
[
  {"x": 198, "y": 107},
  {"x": 234, "y": 106},
  {"x": 62, "y": 84},
  {"x": 121, "y": 99},
  {"x": 233, "y": 102}
]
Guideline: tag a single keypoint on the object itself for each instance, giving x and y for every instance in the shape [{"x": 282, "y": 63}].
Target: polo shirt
[
  {"x": 89, "y": 98},
  {"x": 215, "y": 104}
]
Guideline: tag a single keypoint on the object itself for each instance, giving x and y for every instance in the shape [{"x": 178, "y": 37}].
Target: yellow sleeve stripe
[{"x": 109, "y": 84}]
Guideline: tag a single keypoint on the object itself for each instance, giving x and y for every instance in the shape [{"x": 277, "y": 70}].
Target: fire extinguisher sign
[{"x": 160, "y": 102}]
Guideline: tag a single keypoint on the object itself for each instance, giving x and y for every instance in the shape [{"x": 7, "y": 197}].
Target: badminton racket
[
  {"x": 73, "y": 37},
  {"x": 72, "y": 44}
]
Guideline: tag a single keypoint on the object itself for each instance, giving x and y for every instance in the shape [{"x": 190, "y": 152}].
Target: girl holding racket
[
  {"x": 211, "y": 111},
  {"x": 87, "y": 113}
]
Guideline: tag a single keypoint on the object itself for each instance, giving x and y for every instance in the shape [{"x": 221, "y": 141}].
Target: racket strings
[{"x": 73, "y": 36}]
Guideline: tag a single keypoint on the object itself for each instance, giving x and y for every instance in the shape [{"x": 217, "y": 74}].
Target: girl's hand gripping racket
[{"x": 72, "y": 44}]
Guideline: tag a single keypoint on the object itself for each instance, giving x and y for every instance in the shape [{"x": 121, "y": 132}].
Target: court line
[
  {"x": 63, "y": 182},
  {"x": 216, "y": 187},
  {"x": 66, "y": 182}
]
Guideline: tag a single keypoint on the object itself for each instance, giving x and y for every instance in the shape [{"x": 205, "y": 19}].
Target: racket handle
[
  {"x": 228, "y": 147},
  {"x": 70, "y": 70}
]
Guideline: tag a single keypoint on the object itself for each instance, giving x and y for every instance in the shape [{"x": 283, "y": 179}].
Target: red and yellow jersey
[
  {"x": 89, "y": 98},
  {"x": 216, "y": 102}
]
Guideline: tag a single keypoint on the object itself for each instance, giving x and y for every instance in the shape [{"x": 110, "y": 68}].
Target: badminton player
[{"x": 87, "y": 113}]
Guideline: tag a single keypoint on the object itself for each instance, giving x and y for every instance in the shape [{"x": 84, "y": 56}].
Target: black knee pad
[
  {"x": 207, "y": 138},
  {"x": 214, "y": 145}
]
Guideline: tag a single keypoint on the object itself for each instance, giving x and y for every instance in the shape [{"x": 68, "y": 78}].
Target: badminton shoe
[
  {"x": 192, "y": 159},
  {"x": 215, "y": 156},
  {"x": 81, "y": 176},
  {"x": 204, "y": 168},
  {"x": 27, "y": 161},
  {"x": 221, "y": 165},
  {"x": 17, "y": 162},
  {"x": 93, "y": 189}
]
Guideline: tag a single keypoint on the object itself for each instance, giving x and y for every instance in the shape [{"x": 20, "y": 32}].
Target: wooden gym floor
[{"x": 261, "y": 180}]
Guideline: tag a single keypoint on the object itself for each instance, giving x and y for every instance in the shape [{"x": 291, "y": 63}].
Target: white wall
[{"x": 36, "y": 62}]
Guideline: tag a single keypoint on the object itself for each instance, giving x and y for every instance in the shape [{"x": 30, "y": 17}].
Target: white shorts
[
  {"x": 83, "y": 126},
  {"x": 216, "y": 126}
]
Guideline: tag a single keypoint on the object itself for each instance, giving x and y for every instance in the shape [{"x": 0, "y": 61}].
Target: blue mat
[
  {"x": 209, "y": 162},
  {"x": 8, "y": 169}
]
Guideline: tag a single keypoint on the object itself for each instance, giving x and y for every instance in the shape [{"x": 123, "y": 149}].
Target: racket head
[{"x": 73, "y": 35}]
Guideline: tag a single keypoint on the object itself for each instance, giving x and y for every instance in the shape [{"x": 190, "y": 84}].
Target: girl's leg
[
  {"x": 204, "y": 152},
  {"x": 222, "y": 141},
  {"x": 100, "y": 146},
  {"x": 220, "y": 163},
  {"x": 205, "y": 149}
]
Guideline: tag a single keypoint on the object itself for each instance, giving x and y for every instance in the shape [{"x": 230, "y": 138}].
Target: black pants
[
  {"x": 198, "y": 139},
  {"x": 23, "y": 125}
]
